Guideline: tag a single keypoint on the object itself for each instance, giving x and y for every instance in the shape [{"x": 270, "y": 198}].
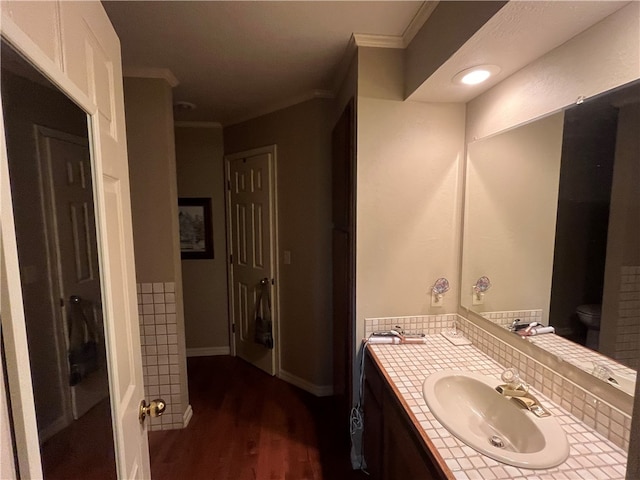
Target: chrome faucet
[{"x": 517, "y": 390}]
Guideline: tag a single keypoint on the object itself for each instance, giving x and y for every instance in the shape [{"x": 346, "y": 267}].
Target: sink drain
[{"x": 496, "y": 441}]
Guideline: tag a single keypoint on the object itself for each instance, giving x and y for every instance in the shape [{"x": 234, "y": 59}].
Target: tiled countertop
[
  {"x": 591, "y": 456},
  {"x": 578, "y": 355}
]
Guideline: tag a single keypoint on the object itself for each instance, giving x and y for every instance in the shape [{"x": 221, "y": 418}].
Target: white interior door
[
  {"x": 65, "y": 168},
  {"x": 251, "y": 232},
  {"x": 85, "y": 64}
]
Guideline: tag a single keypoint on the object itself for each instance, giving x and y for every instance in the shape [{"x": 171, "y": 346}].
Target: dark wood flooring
[
  {"x": 84, "y": 450},
  {"x": 249, "y": 425}
]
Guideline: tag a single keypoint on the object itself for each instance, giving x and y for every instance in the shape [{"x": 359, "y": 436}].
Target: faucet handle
[
  {"x": 512, "y": 378},
  {"x": 601, "y": 371}
]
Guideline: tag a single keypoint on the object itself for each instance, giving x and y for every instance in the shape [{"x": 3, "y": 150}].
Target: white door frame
[
  {"x": 273, "y": 195},
  {"x": 85, "y": 65}
]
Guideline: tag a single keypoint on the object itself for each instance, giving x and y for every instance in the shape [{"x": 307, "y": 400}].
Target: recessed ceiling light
[{"x": 475, "y": 75}]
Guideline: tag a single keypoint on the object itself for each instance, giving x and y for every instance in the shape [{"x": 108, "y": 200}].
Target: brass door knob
[{"x": 154, "y": 409}]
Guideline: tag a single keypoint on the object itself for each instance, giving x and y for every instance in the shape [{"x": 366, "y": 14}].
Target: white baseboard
[
  {"x": 317, "y": 390},
  {"x": 186, "y": 416},
  {"x": 208, "y": 351}
]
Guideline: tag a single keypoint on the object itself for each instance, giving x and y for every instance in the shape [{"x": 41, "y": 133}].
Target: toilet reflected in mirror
[{"x": 589, "y": 316}]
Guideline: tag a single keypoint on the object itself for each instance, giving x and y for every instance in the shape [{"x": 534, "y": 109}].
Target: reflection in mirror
[
  {"x": 51, "y": 186},
  {"x": 552, "y": 216}
]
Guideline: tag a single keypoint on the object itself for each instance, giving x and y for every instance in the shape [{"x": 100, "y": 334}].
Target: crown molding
[
  {"x": 398, "y": 41},
  {"x": 151, "y": 72},
  {"x": 186, "y": 124},
  {"x": 274, "y": 107},
  {"x": 418, "y": 21},
  {"x": 378, "y": 41}
]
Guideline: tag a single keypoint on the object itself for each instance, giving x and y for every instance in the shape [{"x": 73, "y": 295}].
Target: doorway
[
  {"x": 252, "y": 239},
  {"x": 53, "y": 207}
]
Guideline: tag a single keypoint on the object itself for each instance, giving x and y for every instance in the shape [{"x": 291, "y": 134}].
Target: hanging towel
[
  {"x": 83, "y": 343},
  {"x": 263, "y": 324}
]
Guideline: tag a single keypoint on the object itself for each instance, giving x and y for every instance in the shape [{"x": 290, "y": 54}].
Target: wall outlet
[
  {"x": 477, "y": 298},
  {"x": 437, "y": 300}
]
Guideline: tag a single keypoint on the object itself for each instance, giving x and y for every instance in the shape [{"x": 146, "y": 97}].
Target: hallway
[{"x": 248, "y": 425}]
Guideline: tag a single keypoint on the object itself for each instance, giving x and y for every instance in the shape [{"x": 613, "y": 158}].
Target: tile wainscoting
[
  {"x": 160, "y": 361},
  {"x": 628, "y": 335}
]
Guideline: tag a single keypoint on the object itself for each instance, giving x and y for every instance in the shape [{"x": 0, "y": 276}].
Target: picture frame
[{"x": 196, "y": 231}]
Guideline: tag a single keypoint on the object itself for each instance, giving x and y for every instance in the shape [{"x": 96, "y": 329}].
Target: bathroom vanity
[
  {"x": 403, "y": 440},
  {"x": 394, "y": 446}
]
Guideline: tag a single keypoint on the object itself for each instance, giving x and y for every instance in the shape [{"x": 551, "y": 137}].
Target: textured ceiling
[
  {"x": 519, "y": 33},
  {"x": 236, "y": 59}
]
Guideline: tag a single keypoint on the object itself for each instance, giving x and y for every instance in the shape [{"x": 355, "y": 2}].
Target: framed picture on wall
[{"x": 196, "y": 232}]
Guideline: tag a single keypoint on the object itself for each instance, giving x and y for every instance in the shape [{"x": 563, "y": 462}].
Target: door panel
[
  {"x": 91, "y": 76},
  {"x": 42, "y": 29},
  {"x": 250, "y": 197}
]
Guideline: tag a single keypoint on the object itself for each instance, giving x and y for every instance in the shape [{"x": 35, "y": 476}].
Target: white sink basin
[{"x": 468, "y": 405}]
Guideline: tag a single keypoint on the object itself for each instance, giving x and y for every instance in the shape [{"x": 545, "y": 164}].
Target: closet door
[{"x": 75, "y": 46}]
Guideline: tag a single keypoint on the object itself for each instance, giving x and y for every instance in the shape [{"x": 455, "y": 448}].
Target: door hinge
[
  {"x": 228, "y": 184},
  {"x": 230, "y": 258},
  {"x": 233, "y": 328}
]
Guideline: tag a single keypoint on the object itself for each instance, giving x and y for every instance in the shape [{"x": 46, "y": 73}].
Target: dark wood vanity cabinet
[
  {"x": 373, "y": 435},
  {"x": 392, "y": 447}
]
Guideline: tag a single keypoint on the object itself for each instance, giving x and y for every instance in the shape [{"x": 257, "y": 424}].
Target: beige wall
[
  {"x": 200, "y": 167},
  {"x": 510, "y": 216},
  {"x": 302, "y": 134},
  {"x": 409, "y": 158},
  {"x": 150, "y": 143},
  {"x": 380, "y": 73},
  {"x": 154, "y": 197}
]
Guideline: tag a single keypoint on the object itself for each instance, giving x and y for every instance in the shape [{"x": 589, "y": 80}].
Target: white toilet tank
[{"x": 589, "y": 315}]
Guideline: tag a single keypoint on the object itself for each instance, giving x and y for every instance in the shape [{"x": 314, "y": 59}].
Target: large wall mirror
[
  {"x": 52, "y": 177},
  {"x": 552, "y": 232}
]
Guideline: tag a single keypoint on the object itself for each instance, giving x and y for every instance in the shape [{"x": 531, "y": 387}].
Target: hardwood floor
[
  {"x": 84, "y": 450},
  {"x": 248, "y": 425}
]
